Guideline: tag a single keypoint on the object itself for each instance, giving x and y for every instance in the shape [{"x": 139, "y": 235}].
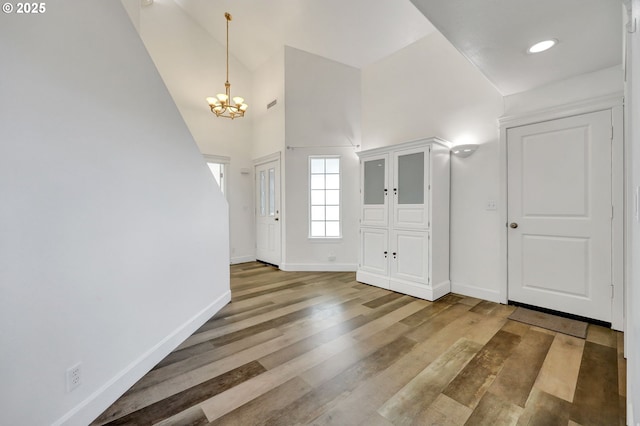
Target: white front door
[
  {"x": 268, "y": 212},
  {"x": 559, "y": 215}
]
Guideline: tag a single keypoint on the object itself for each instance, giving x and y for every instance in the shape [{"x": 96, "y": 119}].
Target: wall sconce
[{"x": 464, "y": 151}]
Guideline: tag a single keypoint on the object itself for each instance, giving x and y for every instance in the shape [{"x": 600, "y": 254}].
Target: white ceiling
[
  {"x": 495, "y": 34},
  {"x": 352, "y": 32},
  {"x": 492, "y": 34}
]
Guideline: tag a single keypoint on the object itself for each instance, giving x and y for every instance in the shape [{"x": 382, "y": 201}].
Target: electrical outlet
[
  {"x": 73, "y": 377},
  {"x": 491, "y": 205}
]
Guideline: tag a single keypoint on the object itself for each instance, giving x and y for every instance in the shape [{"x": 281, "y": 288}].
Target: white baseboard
[
  {"x": 242, "y": 259},
  {"x": 319, "y": 267},
  {"x": 477, "y": 292},
  {"x": 85, "y": 412}
]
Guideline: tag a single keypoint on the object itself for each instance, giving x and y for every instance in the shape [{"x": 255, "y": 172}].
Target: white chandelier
[{"x": 223, "y": 105}]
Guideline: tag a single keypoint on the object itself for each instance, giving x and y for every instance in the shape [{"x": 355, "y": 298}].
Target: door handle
[
  {"x": 385, "y": 254},
  {"x": 513, "y": 225},
  {"x": 394, "y": 254},
  {"x": 276, "y": 219}
]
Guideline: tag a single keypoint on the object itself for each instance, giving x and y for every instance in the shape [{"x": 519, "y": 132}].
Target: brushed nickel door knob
[{"x": 513, "y": 225}]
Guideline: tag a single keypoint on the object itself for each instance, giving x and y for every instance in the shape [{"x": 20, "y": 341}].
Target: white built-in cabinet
[{"x": 404, "y": 218}]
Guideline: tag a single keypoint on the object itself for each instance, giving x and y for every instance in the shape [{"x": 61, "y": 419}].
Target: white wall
[
  {"x": 580, "y": 88},
  {"x": 632, "y": 332},
  {"x": 113, "y": 243},
  {"x": 322, "y": 118},
  {"x": 430, "y": 89},
  {"x": 268, "y": 124},
  {"x": 192, "y": 65}
]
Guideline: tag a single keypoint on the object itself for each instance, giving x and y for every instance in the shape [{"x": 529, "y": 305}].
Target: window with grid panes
[{"x": 324, "y": 199}]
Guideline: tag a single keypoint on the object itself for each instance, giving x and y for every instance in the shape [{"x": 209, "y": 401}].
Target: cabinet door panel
[
  {"x": 374, "y": 256},
  {"x": 410, "y": 188},
  {"x": 375, "y": 199},
  {"x": 410, "y": 256}
]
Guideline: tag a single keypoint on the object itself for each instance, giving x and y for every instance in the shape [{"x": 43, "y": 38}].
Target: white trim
[
  {"x": 267, "y": 158},
  {"x": 477, "y": 292},
  {"x": 319, "y": 267},
  {"x": 405, "y": 145},
  {"x": 618, "y": 193},
  {"x": 242, "y": 259},
  {"x": 566, "y": 110},
  {"x": 87, "y": 410},
  {"x": 217, "y": 158}
]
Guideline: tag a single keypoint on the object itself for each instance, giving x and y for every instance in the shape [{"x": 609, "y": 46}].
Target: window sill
[{"x": 325, "y": 239}]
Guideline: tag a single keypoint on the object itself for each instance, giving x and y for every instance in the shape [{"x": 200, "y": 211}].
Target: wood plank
[
  {"x": 233, "y": 398},
  {"x": 383, "y": 300},
  {"x": 373, "y": 393},
  {"x": 192, "y": 362},
  {"x": 262, "y": 407},
  {"x": 493, "y": 410},
  {"x": 622, "y": 366},
  {"x": 183, "y": 400},
  {"x": 516, "y": 378},
  {"x": 596, "y": 397},
  {"x": 543, "y": 409},
  {"x": 340, "y": 362},
  {"x": 311, "y": 405},
  {"x": 424, "y": 314},
  {"x": 474, "y": 380},
  {"x": 485, "y": 307},
  {"x": 408, "y": 404},
  {"x": 602, "y": 336},
  {"x": 287, "y": 353},
  {"x": 192, "y": 416},
  {"x": 559, "y": 373},
  {"x": 445, "y": 412}
]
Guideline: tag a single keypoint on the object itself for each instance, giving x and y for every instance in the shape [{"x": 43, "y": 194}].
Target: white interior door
[
  {"x": 560, "y": 210},
  {"x": 268, "y": 212}
]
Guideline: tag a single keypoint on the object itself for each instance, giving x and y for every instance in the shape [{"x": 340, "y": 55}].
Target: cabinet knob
[{"x": 513, "y": 225}]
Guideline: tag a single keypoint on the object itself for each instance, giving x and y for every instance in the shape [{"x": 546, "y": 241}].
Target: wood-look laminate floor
[{"x": 320, "y": 348}]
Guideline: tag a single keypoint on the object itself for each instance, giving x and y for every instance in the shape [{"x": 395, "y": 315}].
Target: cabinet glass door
[
  {"x": 411, "y": 181},
  {"x": 374, "y": 191}
]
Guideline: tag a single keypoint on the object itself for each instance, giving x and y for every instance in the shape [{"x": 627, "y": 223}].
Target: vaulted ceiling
[{"x": 492, "y": 34}]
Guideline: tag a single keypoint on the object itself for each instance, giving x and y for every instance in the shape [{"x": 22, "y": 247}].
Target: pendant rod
[{"x": 228, "y": 16}]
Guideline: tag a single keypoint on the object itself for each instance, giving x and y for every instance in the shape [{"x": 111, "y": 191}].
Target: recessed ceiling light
[{"x": 542, "y": 46}]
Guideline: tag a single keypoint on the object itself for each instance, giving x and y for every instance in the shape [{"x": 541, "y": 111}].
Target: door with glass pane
[
  {"x": 268, "y": 212},
  {"x": 374, "y": 191},
  {"x": 410, "y": 188}
]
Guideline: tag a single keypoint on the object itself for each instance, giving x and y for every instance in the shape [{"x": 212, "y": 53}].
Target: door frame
[
  {"x": 614, "y": 103},
  {"x": 276, "y": 156}
]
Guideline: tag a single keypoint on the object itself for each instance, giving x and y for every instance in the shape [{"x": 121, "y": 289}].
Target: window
[
  {"x": 218, "y": 165},
  {"x": 324, "y": 197}
]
